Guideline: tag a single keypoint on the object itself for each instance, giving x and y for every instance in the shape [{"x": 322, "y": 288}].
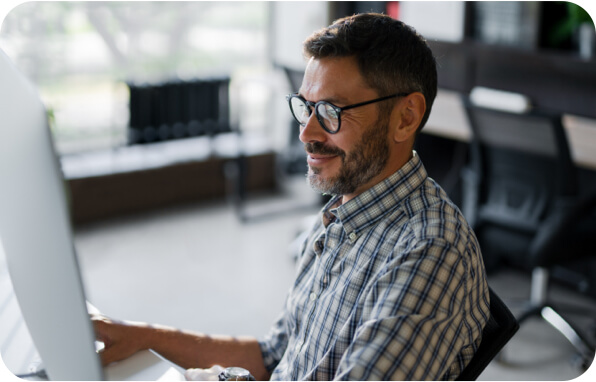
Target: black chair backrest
[
  {"x": 520, "y": 167},
  {"x": 499, "y": 329},
  {"x": 294, "y": 77},
  {"x": 524, "y": 161}
]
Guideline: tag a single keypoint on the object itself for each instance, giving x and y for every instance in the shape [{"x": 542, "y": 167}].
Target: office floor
[{"x": 199, "y": 268}]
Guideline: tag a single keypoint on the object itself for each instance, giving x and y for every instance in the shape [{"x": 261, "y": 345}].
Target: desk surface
[
  {"x": 448, "y": 119},
  {"x": 143, "y": 366}
]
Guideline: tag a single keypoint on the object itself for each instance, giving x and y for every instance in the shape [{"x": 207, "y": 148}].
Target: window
[{"x": 81, "y": 55}]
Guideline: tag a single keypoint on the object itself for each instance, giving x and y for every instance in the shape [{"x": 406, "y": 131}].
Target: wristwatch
[{"x": 235, "y": 374}]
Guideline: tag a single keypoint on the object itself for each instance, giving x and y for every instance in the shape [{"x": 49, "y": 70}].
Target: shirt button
[
  {"x": 353, "y": 236},
  {"x": 313, "y": 296}
]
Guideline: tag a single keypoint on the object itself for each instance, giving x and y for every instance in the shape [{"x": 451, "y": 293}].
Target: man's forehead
[{"x": 335, "y": 79}]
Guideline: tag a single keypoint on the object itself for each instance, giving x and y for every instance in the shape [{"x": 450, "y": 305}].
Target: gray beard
[{"x": 367, "y": 160}]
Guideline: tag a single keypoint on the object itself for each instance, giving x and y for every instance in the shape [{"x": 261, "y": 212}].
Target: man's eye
[
  {"x": 331, "y": 112},
  {"x": 304, "y": 111}
]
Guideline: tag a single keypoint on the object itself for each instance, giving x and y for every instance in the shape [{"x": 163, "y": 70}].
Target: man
[{"x": 391, "y": 283}]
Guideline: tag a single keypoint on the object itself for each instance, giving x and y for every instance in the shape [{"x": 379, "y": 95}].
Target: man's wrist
[{"x": 143, "y": 336}]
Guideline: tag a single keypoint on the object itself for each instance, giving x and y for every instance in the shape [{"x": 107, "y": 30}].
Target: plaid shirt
[{"x": 390, "y": 285}]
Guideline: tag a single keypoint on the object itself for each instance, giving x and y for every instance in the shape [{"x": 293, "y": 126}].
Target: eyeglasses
[{"x": 328, "y": 115}]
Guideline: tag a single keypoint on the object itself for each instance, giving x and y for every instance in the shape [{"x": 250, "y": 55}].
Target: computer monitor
[
  {"x": 37, "y": 241},
  {"x": 35, "y": 233}
]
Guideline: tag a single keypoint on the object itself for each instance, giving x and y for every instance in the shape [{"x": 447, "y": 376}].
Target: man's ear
[{"x": 407, "y": 115}]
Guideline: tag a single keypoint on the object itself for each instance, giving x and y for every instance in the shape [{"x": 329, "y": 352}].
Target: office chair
[
  {"x": 499, "y": 329},
  {"x": 294, "y": 157},
  {"x": 521, "y": 196}
]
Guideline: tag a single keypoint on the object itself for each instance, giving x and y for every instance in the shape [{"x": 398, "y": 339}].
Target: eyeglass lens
[{"x": 325, "y": 113}]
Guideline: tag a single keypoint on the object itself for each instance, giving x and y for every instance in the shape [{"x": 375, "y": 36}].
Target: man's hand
[
  {"x": 185, "y": 348},
  {"x": 121, "y": 339}
]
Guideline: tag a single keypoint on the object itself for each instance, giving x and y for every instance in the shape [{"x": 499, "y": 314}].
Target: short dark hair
[{"x": 392, "y": 56}]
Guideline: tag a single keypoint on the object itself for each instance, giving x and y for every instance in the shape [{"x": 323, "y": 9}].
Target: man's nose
[{"x": 312, "y": 131}]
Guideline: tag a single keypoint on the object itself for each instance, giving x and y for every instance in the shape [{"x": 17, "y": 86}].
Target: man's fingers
[
  {"x": 114, "y": 353},
  {"x": 100, "y": 332},
  {"x": 117, "y": 336}
]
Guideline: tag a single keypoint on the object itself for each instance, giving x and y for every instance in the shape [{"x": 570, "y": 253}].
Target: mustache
[{"x": 320, "y": 148}]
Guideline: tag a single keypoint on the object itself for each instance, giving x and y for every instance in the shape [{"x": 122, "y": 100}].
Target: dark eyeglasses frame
[{"x": 338, "y": 110}]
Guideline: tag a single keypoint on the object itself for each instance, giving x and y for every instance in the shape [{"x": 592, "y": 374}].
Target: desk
[
  {"x": 448, "y": 119},
  {"x": 135, "y": 178}
]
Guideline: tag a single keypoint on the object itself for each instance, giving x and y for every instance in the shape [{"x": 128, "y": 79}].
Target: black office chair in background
[
  {"x": 499, "y": 329},
  {"x": 294, "y": 157},
  {"x": 522, "y": 197}
]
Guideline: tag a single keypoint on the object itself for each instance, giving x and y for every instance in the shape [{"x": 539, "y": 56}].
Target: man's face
[{"x": 355, "y": 158}]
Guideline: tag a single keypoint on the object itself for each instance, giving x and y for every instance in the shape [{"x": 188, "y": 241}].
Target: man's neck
[{"x": 390, "y": 170}]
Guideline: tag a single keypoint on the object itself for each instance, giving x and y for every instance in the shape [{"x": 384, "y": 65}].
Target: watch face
[{"x": 236, "y": 372}]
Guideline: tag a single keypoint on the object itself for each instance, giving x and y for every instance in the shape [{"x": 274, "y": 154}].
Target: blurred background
[
  {"x": 82, "y": 55},
  {"x": 180, "y": 156}
]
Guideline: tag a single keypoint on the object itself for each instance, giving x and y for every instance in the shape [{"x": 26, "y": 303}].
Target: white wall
[{"x": 291, "y": 23}]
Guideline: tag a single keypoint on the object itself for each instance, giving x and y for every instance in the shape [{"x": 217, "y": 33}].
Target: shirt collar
[{"x": 373, "y": 204}]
